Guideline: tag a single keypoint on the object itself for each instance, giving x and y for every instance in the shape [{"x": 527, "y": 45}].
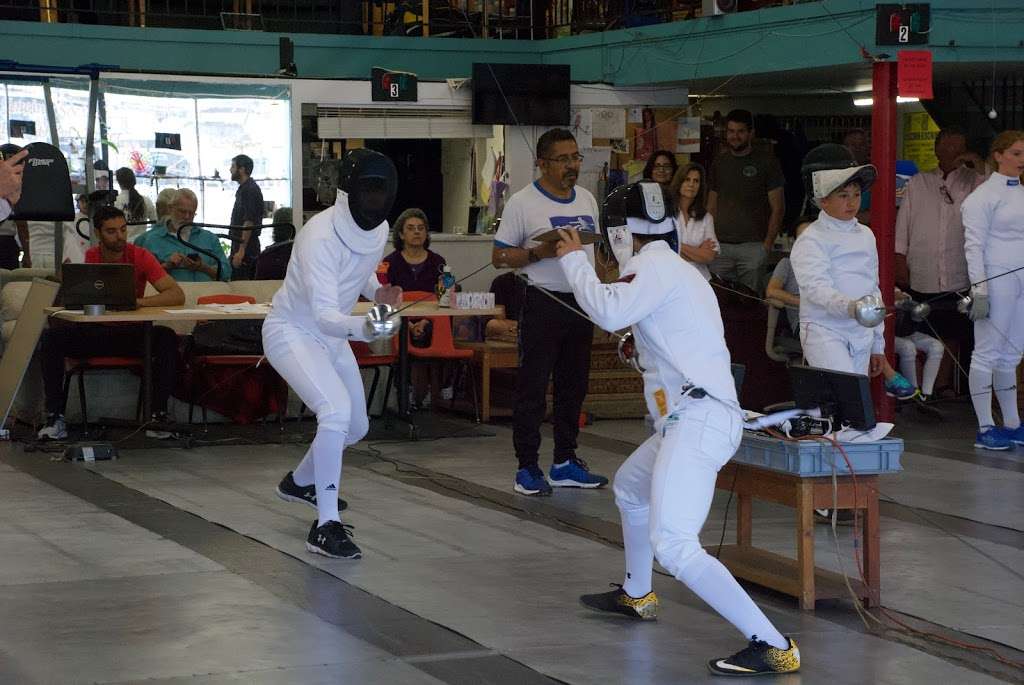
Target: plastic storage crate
[{"x": 815, "y": 458}]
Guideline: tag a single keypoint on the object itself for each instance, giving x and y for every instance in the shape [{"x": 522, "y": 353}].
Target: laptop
[{"x": 112, "y": 285}]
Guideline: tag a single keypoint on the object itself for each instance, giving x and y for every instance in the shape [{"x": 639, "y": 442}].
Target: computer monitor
[
  {"x": 112, "y": 285},
  {"x": 843, "y": 397}
]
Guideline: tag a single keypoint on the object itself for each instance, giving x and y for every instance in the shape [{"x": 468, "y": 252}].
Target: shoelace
[
  {"x": 346, "y": 528},
  {"x": 579, "y": 462},
  {"x": 751, "y": 653}
]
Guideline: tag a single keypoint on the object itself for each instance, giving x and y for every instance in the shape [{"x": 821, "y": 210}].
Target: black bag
[{"x": 230, "y": 336}]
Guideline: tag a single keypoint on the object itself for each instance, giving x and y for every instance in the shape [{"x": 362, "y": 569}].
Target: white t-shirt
[
  {"x": 532, "y": 211},
  {"x": 40, "y": 239},
  {"x": 694, "y": 232}
]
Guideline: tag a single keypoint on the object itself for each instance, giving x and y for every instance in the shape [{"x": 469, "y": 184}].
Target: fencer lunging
[
  {"x": 306, "y": 336},
  {"x": 664, "y": 489},
  {"x": 994, "y": 245}
]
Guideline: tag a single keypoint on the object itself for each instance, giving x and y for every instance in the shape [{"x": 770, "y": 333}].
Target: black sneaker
[
  {"x": 289, "y": 491},
  {"x": 617, "y": 601},
  {"x": 332, "y": 540},
  {"x": 759, "y": 658}
]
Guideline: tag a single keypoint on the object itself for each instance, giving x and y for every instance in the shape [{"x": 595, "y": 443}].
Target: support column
[{"x": 883, "y": 207}]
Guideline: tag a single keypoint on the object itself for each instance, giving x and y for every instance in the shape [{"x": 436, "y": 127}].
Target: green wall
[{"x": 779, "y": 39}]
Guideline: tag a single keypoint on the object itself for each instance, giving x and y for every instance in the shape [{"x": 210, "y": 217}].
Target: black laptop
[{"x": 112, "y": 285}]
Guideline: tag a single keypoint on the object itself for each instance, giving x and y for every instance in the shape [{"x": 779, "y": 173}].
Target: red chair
[
  {"x": 204, "y": 362},
  {"x": 75, "y": 366},
  {"x": 368, "y": 360}
]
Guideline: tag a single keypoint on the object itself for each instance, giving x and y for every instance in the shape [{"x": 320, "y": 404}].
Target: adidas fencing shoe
[
  {"x": 55, "y": 428},
  {"x": 899, "y": 387},
  {"x": 759, "y": 658},
  {"x": 992, "y": 438},
  {"x": 531, "y": 481},
  {"x": 333, "y": 539},
  {"x": 290, "y": 491},
  {"x": 617, "y": 601},
  {"x": 574, "y": 473}
]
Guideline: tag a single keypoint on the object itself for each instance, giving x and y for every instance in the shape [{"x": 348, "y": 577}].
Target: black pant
[
  {"x": 551, "y": 339},
  {"x": 949, "y": 324},
  {"x": 93, "y": 340},
  {"x": 246, "y": 271},
  {"x": 9, "y": 252}
]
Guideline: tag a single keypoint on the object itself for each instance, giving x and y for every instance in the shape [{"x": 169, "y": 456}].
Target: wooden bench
[{"x": 799, "y": 577}]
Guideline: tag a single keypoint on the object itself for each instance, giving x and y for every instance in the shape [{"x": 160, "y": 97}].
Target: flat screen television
[{"x": 523, "y": 94}]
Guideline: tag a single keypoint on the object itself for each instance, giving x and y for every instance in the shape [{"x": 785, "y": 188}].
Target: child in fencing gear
[
  {"x": 664, "y": 489},
  {"x": 994, "y": 245},
  {"x": 306, "y": 336},
  {"x": 836, "y": 266},
  {"x": 910, "y": 339}
]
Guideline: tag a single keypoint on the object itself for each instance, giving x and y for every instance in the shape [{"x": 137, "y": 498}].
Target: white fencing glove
[{"x": 979, "y": 306}]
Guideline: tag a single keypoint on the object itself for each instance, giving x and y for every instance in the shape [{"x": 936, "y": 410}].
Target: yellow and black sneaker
[
  {"x": 759, "y": 658},
  {"x": 617, "y": 601}
]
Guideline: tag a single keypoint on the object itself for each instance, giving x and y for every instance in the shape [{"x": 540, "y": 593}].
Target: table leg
[
  {"x": 485, "y": 385},
  {"x": 872, "y": 563},
  {"x": 147, "y": 370},
  {"x": 744, "y": 520},
  {"x": 805, "y": 542},
  {"x": 403, "y": 369}
]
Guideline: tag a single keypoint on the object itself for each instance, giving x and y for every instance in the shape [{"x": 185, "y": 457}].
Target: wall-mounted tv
[{"x": 524, "y": 94}]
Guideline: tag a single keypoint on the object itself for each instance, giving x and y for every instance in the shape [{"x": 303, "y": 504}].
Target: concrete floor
[{"x": 180, "y": 566}]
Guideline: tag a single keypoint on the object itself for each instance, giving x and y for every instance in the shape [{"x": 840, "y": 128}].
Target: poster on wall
[
  {"x": 594, "y": 170},
  {"x": 645, "y": 136},
  {"x": 582, "y": 127},
  {"x": 609, "y": 122},
  {"x": 620, "y": 146},
  {"x": 688, "y": 134},
  {"x": 919, "y": 133}
]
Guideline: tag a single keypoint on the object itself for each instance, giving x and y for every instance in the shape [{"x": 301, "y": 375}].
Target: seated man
[
  {"x": 90, "y": 340},
  {"x": 182, "y": 262},
  {"x": 272, "y": 264}
]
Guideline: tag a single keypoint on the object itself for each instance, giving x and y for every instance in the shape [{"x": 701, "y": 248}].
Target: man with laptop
[{"x": 91, "y": 340}]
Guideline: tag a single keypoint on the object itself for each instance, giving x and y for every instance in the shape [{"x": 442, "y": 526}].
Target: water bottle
[{"x": 445, "y": 287}]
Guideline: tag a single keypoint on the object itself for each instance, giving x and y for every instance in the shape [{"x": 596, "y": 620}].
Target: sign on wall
[
  {"x": 393, "y": 86},
  {"x": 905, "y": 23}
]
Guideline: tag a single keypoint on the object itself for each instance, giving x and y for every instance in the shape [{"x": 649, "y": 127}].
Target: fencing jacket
[
  {"x": 994, "y": 228},
  {"x": 333, "y": 263},
  {"x": 675, "y": 318},
  {"x": 835, "y": 263}
]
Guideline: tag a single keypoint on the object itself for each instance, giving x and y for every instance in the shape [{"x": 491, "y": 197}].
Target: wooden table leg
[
  {"x": 872, "y": 563},
  {"x": 744, "y": 520},
  {"x": 485, "y": 386},
  {"x": 805, "y": 542}
]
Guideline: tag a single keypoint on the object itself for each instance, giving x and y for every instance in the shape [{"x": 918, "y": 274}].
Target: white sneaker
[{"x": 55, "y": 428}]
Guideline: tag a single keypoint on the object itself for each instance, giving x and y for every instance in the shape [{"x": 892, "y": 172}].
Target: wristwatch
[{"x": 531, "y": 256}]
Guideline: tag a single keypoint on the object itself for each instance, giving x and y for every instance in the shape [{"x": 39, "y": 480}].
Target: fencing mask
[
  {"x": 371, "y": 183},
  {"x": 45, "y": 186},
  {"x": 637, "y": 209}
]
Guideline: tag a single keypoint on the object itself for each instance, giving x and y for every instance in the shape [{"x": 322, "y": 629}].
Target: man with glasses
[
  {"x": 553, "y": 340},
  {"x": 183, "y": 262},
  {"x": 930, "y": 260}
]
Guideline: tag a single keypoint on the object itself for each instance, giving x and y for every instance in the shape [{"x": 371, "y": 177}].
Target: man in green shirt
[
  {"x": 179, "y": 260},
  {"x": 746, "y": 199}
]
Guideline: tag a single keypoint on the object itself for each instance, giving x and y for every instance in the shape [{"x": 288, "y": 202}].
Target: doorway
[{"x": 420, "y": 182}]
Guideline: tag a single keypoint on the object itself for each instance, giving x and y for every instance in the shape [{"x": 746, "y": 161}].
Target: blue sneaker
[
  {"x": 993, "y": 438},
  {"x": 574, "y": 473},
  {"x": 1015, "y": 435},
  {"x": 899, "y": 387},
  {"x": 531, "y": 481}
]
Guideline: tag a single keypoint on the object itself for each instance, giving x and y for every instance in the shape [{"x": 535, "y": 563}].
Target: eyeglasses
[
  {"x": 565, "y": 160},
  {"x": 662, "y": 167},
  {"x": 945, "y": 195}
]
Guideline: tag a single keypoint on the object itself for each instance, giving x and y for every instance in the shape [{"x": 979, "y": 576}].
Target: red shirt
[{"x": 147, "y": 268}]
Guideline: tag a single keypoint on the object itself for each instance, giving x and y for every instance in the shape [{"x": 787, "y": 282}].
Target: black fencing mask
[
  {"x": 371, "y": 182},
  {"x": 45, "y": 186}
]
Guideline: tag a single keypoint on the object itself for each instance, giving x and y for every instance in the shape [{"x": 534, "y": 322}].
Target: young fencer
[
  {"x": 306, "y": 336},
  {"x": 664, "y": 489},
  {"x": 994, "y": 245}
]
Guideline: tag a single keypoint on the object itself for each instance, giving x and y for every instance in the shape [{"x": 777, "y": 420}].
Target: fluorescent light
[{"x": 867, "y": 102}]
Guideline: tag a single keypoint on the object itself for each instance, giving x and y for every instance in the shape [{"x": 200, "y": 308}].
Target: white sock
[
  {"x": 932, "y": 362},
  {"x": 327, "y": 447},
  {"x": 636, "y": 538},
  {"x": 980, "y": 383},
  {"x": 1004, "y": 384},
  {"x": 304, "y": 474},
  {"x": 721, "y": 592}
]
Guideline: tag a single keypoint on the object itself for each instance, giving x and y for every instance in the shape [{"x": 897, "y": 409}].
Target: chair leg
[
  {"x": 387, "y": 391},
  {"x": 373, "y": 388},
  {"x": 67, "y": 387},
  {"x": 471, "y": 370},
  {"x": 81, "y": 402}
]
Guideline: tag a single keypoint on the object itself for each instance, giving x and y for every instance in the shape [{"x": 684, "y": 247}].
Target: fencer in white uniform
[
  {"x": 835, "y": 262},
  {"x": 994, "y": 245},
  {"x": 664, "y": 489},
  {"x": 306, "y": 336}
]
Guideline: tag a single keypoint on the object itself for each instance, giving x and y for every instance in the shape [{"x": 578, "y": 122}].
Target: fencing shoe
[
  {"x": 333, "y": 539},
  {"x": 617, "y": 601},
  {"x": 759, "y": 658},
  {"x": 55, "y": 428},
  {"x": 290, "y": 491}
]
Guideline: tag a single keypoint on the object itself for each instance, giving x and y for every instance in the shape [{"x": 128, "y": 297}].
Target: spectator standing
[
  {"x": 552, "y": 339},
  {"x": 136, "y": 206},
  {"x": 272, "y": 264},
  {"x": 163, "y": 203},
  {"x": 697, "y": 241},
  {"x": 248, "y": 213},
  {"x": 661, "y": 167},
  {"x": 181, "y": 261},
  {"x": 747, "y": 202}
]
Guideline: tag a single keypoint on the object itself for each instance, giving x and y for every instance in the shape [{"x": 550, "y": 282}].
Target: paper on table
[
  {"x": 241, "y": 308},
  {"x": 187, "y": 311}
]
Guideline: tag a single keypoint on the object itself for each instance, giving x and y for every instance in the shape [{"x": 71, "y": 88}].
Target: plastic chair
[
  {"x": 366, "y": 359},
  {"x": 442, "y": 347},
  {"x": 779, "y": 349}
]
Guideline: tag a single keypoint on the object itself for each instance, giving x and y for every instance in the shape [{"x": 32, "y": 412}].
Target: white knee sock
[
  {"x": 716, "y": 586},
  {"x": 327, "y": 447},
  {"x": 636, "y": 538},
  {"x": 304, "y": 474},
  {"x": 932, "y": 362},
  {"x": 980, "y": 383},
  {"x": 1004, "y": 384}
]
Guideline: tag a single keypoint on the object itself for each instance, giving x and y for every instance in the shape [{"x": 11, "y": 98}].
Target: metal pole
[
  {"x": 58, "y": 228},
  {"x": 101, "y": 103},
  {"x": 883, "y": 206},
  {"x": 90, "y": 134}
]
